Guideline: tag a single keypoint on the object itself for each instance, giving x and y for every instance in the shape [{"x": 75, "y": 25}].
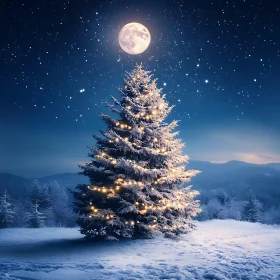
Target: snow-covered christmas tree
[
  {"x": 6, "y": 212},
  {"x": 137, "y": 170}
]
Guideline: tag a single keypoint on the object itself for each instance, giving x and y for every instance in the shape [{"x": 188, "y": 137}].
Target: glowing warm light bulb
[
  {"x": 155, "y": 140},
  {"x": 117, "y": 123}
]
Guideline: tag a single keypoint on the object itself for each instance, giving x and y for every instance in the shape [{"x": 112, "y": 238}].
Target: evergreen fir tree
[
  {"x": 6, "y": 212},
  {"x": 223, "y": 198},
  {"x": 61, "y": 206},
  {"x": 49, "y": 217},
  {"x": 40, "y": 195},
  {"x": 137, "y": 170},
  {"x": 35, "y": 192},
  {"x": 250, "y": 210},
  {"x": 21, "y": 210},
  {"x": 36, "y": 219},
  {"x": 45, "y": 198}
]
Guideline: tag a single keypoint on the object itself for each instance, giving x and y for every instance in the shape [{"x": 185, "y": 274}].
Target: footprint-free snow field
[{"x": 217, "y": 250}]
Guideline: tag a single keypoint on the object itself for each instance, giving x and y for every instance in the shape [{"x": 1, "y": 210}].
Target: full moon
[{"x": 134, "y": 38}]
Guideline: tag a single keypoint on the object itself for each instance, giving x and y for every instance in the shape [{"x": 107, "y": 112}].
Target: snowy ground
[{"x": 217, "y": 250}]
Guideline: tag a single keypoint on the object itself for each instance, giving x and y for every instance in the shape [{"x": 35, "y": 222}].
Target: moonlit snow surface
[
  {"x": 218, "y": 250},
  {"x": 134, "y": 38}
]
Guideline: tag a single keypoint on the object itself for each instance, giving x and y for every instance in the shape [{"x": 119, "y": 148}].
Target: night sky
[{"x": 217, "y": 61}]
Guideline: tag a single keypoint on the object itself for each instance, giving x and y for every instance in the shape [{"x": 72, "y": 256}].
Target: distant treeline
[
  {"x": 47, "y": 205},
  {"x": 50, "y": 205},
  {"x": 221, "y": 205}
]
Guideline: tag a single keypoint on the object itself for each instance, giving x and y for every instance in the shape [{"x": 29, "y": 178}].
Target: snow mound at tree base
[{"x": 219, "y": 249}]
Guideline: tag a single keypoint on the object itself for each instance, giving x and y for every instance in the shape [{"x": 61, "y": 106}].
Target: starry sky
[{"x": 217, "y": 61}]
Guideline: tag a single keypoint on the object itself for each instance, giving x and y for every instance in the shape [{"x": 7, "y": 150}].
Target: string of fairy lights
[
  {"x": 142, "y": 208},
  {"x": 125, "y": 126}
]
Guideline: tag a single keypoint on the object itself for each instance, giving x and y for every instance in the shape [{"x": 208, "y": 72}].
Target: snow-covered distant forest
[
  {"x": 43, "y": 205},
  {"x": 223, "y": 206},
  {"x": 50, "y": 205}
]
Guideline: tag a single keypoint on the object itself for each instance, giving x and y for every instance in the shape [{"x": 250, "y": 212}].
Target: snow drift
[{"x": 217, "y": 250}]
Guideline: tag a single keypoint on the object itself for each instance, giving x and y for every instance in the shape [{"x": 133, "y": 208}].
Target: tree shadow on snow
[{"x": 67, "y": 247}]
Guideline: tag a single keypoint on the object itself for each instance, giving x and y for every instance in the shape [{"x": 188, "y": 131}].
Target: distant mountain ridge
[
  {"x": 235, "y": 177},
  {"x": 18, "y": 186}
]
